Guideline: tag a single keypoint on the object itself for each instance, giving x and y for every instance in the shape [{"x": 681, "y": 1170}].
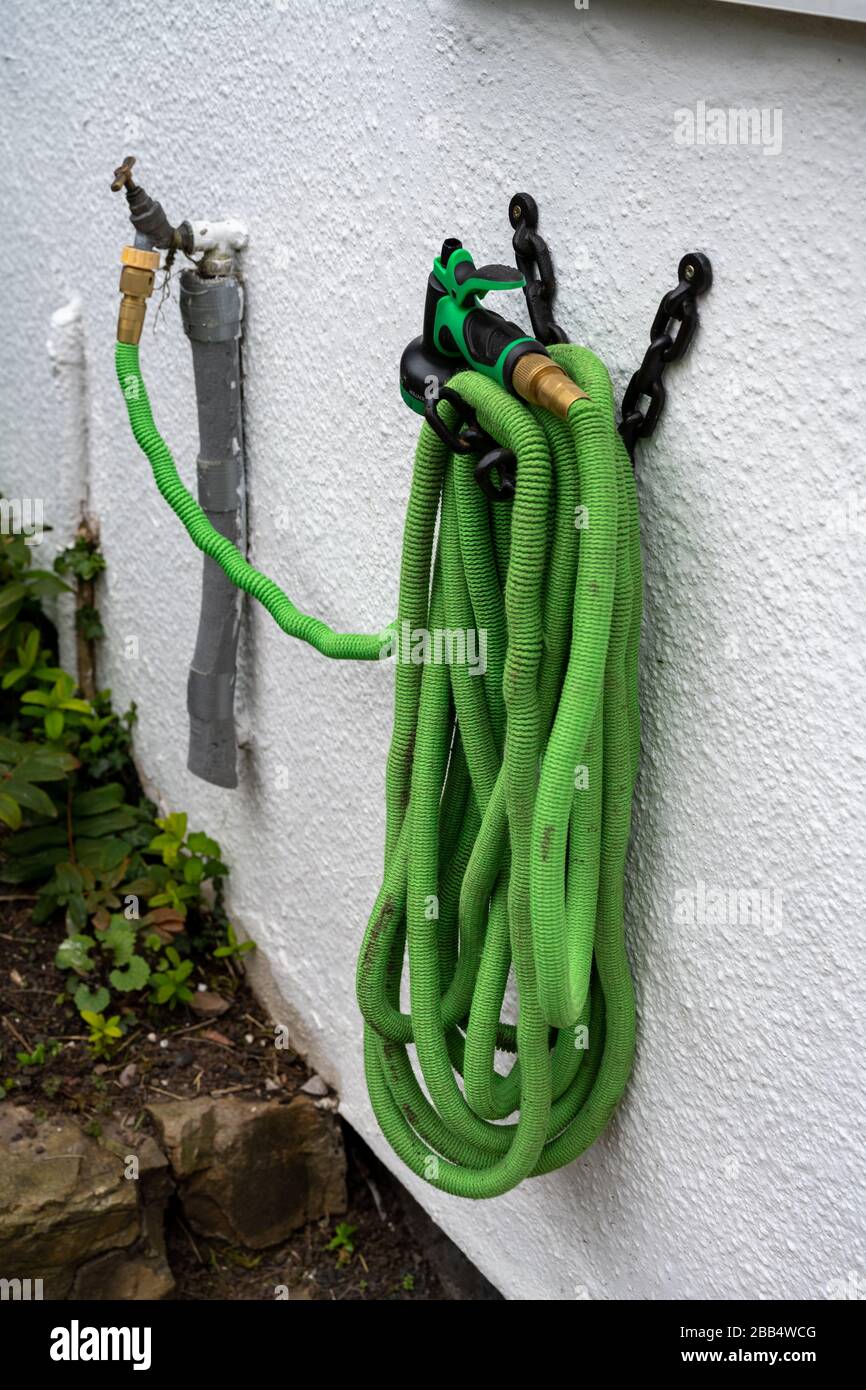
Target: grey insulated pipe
[{"x": 212, "y": 312}]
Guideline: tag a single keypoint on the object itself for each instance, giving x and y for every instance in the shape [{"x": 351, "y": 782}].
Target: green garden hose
[{"x": 508, "y": 790}]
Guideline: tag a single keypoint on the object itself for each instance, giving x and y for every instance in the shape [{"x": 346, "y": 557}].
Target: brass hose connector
[
  {"x": 540, "y": 381},
  {"x": 136, "y": 286}
]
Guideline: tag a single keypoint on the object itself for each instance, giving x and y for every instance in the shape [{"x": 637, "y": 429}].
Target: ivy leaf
[
  {"x": 119, "y": 938},
  {"x": 91, "y": 1000},
  {"x": 135, "y": 976},
  {"x": 74, "y": 954}
]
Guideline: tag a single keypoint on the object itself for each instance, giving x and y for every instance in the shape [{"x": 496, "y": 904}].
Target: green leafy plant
[
  {"x": 27, "y": 653},
  {"x": 82, "y": 560},
  {"x": 231, "y": 946},
  {"x": 342, "y": 1242},
  {"x": 104, "y": 1032},
  {"x": 242, "y": 1258},
  {"x": 23, "y": 768},
  {"x": 89, "y": 623},
  {"x": 22, "y": 591},
  {"x": 103, "y": 743},
  {"x": 42, "y": 1052},
  {"x": 95, "y": 1000},
  {"x": 74, "y": 954},
  {"x": 96, "y": 831},
  {"x": 139, "y": 894},
  {"x": 188, "y": 861},
  {"x": 169, "y": 981},
  {"x": 131, "y": 971},
  {"x": 53, "y": 705}
]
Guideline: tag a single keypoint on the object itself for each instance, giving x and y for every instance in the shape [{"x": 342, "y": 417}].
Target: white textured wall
[{"x": 352, "y": 136}]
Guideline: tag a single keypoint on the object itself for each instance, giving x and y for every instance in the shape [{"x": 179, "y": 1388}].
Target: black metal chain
[
  {"x": 535, "y": 264},
  {"x": 667, "y": 344},
  {"x": 496, "y": 469}
]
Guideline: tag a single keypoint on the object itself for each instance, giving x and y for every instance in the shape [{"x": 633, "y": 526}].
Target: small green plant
[
  {"x": 74, "y": 954},
  {"x": 41, "y": 1053},
  {"x": 188, "y": 861},
  {"x": 242, "y": 1258},
  {"x": 104, "y": 743},
  {"x": 408, "y": 1284},
  {"x": 81, "y": 560},
  {"x": 104, "y": 1032},
  {"x": 231, "y": 946},
  {"x": 24, "y": 767},
  {"x": 28, "y": 653},
  {"x": 140, "y": 896},
  {"x": 169, "y": 982},
  {"x": 342, "y": 1242},
  {"x": 89, "y": 623},
  {"x": 54, "y": 704}
]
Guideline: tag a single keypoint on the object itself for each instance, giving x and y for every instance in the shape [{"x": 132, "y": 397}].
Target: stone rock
[
  {"x": 315, "y": 1086},
  {"x": 67, "y": 1202},
  {"x": 118, "y": 1275},
  {"x": 252, "y": 1172},
  {"x": 208, "y": 1004}
]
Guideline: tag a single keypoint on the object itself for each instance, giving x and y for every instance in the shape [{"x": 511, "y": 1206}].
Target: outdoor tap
[
  {"x": 151, "y": 225},
  {"x": 140, "y": 261}
]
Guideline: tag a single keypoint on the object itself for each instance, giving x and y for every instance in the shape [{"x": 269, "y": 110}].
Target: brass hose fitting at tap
[
  {"x": 540, "y": 381},
  {"x": 136, "y": 286}
]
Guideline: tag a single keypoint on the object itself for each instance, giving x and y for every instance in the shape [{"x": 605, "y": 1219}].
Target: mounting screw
[
  {"x": 696, "y": 270},
  {"x": 523, "y": 209}
]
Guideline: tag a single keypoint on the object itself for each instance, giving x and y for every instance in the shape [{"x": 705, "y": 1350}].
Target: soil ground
[{"x": 396, "y": 1252}]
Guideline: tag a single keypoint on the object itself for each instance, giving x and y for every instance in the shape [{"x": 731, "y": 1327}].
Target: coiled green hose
[{"x": 508, "y": 789}]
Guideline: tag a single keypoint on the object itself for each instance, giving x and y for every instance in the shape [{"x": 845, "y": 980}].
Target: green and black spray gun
[{"x": 459, "y": 331}]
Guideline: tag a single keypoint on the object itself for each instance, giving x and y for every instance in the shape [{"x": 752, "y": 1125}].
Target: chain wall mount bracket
[{"x": 673, "y": 328}]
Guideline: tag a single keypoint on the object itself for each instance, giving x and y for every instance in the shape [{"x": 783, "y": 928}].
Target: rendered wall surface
[{"x": 352, "y": 137}]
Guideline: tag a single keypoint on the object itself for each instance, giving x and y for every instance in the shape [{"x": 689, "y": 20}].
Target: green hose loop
[
  {"x": 508, "y": 786},
  {"x": 357, "y": 646}
]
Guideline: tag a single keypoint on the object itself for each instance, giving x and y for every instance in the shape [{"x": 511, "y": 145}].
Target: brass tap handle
[{"x": 123, "y": 175}]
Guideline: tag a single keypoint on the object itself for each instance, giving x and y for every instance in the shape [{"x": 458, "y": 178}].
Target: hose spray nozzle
[{"x": 458, "y": 329}]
